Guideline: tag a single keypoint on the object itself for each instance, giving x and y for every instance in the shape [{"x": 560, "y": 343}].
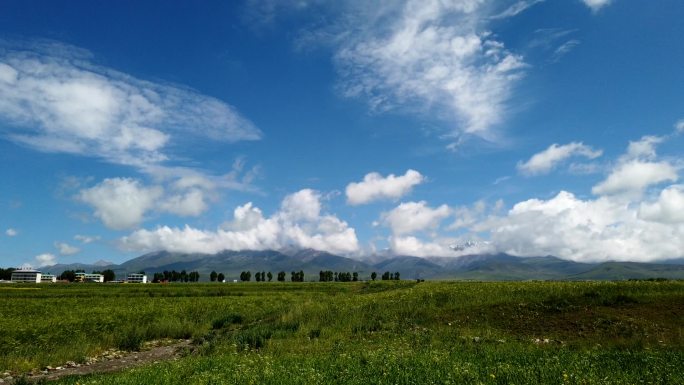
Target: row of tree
[
  {"x": 176, "y": 276},
  {"x": 329, "y": 276},
  {"x": 214, "y": 276},
  {"x": 295, "y": 276}
]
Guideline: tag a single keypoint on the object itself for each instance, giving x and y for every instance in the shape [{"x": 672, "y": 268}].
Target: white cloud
[
  {"x": 669, "y": 208},
  {"x": 634, "y": 176},
  {"x": 643, "y": 148},
  {"x": 583, "y": 230},
  {"x": 46, "y": 259},
  {"x": 299, "y": 223},
  {"x": 302, "y": 205},
  {"x": 375, "y": 187},
  {"x": 11, "y": 232},
  {"x": 411, "y": 217},
  {"x": 190, "y": 203},
  {"x": 56, "y": 100},
  {"x": 121, "y": 203},
  {"x": 66, "y": 249},
  {"x": 679, "y": 127},
  {"x": 595, "y": 5},
  {"x": 517, "y": 8},
  {"x": 433, "y": 56},
  {"x": 410, "y": 245},
  {"x": 543, "y": 162},
  {"x": 86, "y": 239}
]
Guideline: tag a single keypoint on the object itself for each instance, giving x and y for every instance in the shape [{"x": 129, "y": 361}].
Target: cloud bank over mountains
[
  {"x": 636, "y": 215},
  {"x": 298, "y": 223}
]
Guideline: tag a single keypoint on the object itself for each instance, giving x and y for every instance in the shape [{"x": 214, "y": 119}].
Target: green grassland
[{"x": 629, "y": 332}]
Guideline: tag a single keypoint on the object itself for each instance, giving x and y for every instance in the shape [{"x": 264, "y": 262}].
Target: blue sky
[{"x": 427, "y": 128}]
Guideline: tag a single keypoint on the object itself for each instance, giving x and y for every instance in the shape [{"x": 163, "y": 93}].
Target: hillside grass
[{"x": 379, "y": 332}]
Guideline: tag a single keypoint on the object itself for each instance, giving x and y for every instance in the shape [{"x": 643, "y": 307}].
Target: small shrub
[{"x": 229, "y": 319}]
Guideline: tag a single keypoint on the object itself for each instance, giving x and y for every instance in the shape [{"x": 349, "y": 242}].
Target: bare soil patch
[{"x": 109, "y": 361}]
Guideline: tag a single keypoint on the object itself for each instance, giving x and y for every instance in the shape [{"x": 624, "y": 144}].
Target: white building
[
  {"x": 93, "y": 278},
  {"x": 29, "y": 276},
  {"x": 48, "y": 278},
  {"x": 137, "y": 278}
]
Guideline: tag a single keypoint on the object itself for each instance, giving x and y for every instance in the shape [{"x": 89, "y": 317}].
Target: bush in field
[{"x": 230, "y": 319}]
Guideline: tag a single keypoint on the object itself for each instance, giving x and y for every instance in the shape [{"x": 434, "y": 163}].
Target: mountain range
[{"x": 486, "y": 267}]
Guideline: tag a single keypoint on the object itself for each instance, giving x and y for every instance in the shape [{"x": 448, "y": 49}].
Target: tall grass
[{"x": 380, "y": 332}]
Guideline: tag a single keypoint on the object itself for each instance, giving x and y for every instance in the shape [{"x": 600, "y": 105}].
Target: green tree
[
  {"x": 157, "y": 277},
  {"x": 396, "y": 276},
  {"x": 221, "y": 277},
  {"x": 212, "y": 276},
  {"x": 245, "y": 276},
  {"x": 270, "y": 276},
  {"x": 374, "y": 275},
  {"x": 355, "y": 276},
  {"x": 281, "y": 276},
  {"x": 386, "y": 276},
  {"x": 108, "y": 275}
]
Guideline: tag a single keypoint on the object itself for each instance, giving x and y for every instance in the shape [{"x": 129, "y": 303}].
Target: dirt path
[{"x": 113, "y": 363}]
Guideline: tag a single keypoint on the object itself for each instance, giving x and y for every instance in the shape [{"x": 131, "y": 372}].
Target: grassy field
[{"x": 358, "y": 333}]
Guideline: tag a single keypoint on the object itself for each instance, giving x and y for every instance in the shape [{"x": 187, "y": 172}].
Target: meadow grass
[{"x": 379, "y": 332}]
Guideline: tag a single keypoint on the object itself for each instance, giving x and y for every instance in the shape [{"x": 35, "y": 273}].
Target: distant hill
[{"x": 472, "y": 267}]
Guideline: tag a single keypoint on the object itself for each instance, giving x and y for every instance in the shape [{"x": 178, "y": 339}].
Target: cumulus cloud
[
  {"x": 299, "y": 222},
  {"x": 595, "y": 230},
  {"x": 669, "y": 208},
  {"x": 46, "y": 259},
  {"x": 11, "y": 232},
  {"x": 411, "y": 217},
  {"x": 121, "y": 202},
  {"x": 376, "y": 187},
  {"x": 413, "y": 246},
  {"x": 637, "y": 169},
  {"x": 644, "y": 148},
  {"x": 634, "y": 176},
  {"x": 595, "y": 5},
  {"x": 545, "y": 161},
  {"x": 66, "y": 249},
  {"x": 55, "y": 99},
  {"x": 189, "y": 203},
  {"x": 434, "y": 56}
]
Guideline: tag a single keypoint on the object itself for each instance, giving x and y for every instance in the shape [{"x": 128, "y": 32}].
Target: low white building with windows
[
  {"x": 48, "y": 278},
  {"x": 79, "y": 277},
  {"x": 93, "y": 278},
  {"x": 136, "y": 278},
  {"x": 27, "y": 276}
]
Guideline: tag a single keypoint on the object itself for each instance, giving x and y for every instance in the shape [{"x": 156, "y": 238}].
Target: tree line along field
[{"x": 385, "y": 332}]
